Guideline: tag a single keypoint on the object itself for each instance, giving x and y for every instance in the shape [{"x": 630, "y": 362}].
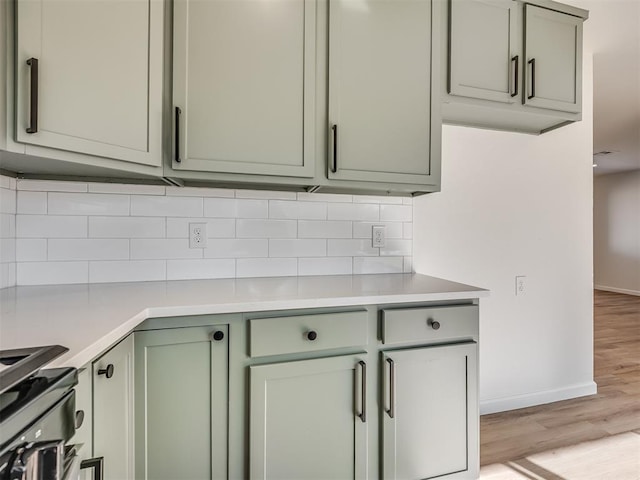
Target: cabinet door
[
  {"x": 244, "y": 84},
  {"x": 99, "y": 77},
  {"x": 553, "y": 49},
  {"x": 113, "y": 411},
  {"x": 430, "y": 422},
  {"x": 383, "y": 119},
  {"x": 306, "y": 420},
  {"x": 182, "y": 403},
  {"x": 484, "y": 54}
]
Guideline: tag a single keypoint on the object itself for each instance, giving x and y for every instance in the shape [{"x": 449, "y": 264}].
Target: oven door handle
[
  {"x": 97, "y": 464},
  {"x": 39, "y": 460}
]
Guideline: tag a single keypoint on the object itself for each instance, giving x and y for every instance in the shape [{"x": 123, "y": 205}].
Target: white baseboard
[
  {"x": 617, "y": 290},
  {"x": 503, "y": 404}
]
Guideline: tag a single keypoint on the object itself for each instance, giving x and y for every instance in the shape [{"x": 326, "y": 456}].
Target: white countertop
[{"x": 89, "y": 318}]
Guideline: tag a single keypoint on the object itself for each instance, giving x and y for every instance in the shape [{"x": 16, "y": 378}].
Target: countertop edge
[{"x": 89, "y": 353}]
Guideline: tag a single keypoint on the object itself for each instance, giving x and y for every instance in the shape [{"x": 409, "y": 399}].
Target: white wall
[
  {"x": 616, "y": 231},
  {"x": 513, "y": 204}
]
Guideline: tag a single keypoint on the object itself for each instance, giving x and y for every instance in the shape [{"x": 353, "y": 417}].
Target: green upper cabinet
[
  {"x": 244, "y": 86},
  {"x": 484, "y": 50},
  {"x": 512, "y": 65},
  {"x": 89, "y": 80},
  {"x": 553, "y": 50},
  {"x": 384, "y": 116}
]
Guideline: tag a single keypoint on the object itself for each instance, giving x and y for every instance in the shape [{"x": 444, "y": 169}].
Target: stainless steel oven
[{"x": 37, "y": 416}]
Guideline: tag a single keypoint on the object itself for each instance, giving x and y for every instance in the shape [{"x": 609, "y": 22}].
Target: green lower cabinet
[
  {"x": 113, "y": 411},
  {"x": 430, "y": 418},
  {"x": 307, "y": 420},
  {"x": 181, "y": 400}
]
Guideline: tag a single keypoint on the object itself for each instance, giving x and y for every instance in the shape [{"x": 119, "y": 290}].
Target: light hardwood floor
[{"x": 512, "y": 435}]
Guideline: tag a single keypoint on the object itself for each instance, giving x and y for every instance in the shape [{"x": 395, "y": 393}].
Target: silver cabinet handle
[
  {"x": 97, "y": 464},
  {"x": 363, "y": 391},
  {"x": 391, "y": 411}
]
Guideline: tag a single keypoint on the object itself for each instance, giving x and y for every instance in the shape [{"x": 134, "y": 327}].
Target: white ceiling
[{"x": 612, "y": 33}]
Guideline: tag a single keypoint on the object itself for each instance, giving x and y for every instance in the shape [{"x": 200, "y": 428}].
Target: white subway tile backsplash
[
  {"x": 32, "y": 202},
  {"x": 266, "y": 228},
  {"x": 31, "y": 250},
  {"x": 7, "y": 250},
  {"x": 163, "y": 248},
  {"x": 408, "y": 265},
  {"x": 396, "y": 247},
  {"x": 297, "y": 210},
  {"x": 69, "y": 232},
  {"x": 87, "y": 204},
  {"x": 353, "y": 211},
  {"x": 199, "y": 192},
  {"x": 297, "y": 247},
  {"x": 7, "y": 225},
  {"x": 50, "y": 273},
  {"x": 216, "y": 228},
  {"x": 350, "y": 248},
  {"x": 200, "y": 269},
  {"x": 162, "y": 206},
  {"x": 237, "y": 248},
  {"x": 127, "y": 271},
  {"x": 127, "y": 227},
  {"x": 365, "y": 229},
  {"x": 87, "y": 249},
  {"x": 372, "y": 199},
  {"x": 265, "y": 194},
  {"x": 407, "y": 230},
  {"x": 364, "y": 265},
  {"x": 7, "y": 201},
  {"x": 325, "y": 266},
  {"x": 324, "y": 229},
  {"x": 51, "y": 186},
  {"x": 7, "y": 275},
  {"x": 266, "y": 267},
  {"x": 126, "y": 189},
  {"x": 397, "y": 213},
  {"x": 7, "y": 182},
  {"x": 324, "y": 197},
  {"x": 50, "y": 226},
  {"x": 232, "y": 208}
]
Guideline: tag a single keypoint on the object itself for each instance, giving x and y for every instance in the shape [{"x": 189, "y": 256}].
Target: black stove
[{"x": 37, "y": 414}]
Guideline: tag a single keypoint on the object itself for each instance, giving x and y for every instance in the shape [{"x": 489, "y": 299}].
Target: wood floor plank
[{"x": 509, "y": 436}]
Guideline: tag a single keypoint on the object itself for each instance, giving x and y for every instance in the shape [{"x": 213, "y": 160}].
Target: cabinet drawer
[
  {"x": 295, "y": 334},
  {"x": 429, "y": 324}
]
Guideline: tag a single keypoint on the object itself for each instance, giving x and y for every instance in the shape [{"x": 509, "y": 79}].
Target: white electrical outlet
[
  {"x": 378, "y": 235},
  {"x": 197, "y": 235},
  {"x": 521, "y": 285}
]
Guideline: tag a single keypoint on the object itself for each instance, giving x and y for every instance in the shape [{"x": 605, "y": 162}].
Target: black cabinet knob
[
  {"x": 312, "y": 335},
  {"x": 79, "y": 420},
  {"x": 217, "y": 336},
  {"x": 433, "y": 324},
  {"x": 108, "y": 372}
]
